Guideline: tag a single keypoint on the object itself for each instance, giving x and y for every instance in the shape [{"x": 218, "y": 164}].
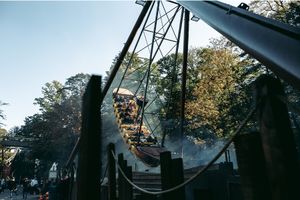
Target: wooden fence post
[
  {"x": 129, "y": 188},
  {"x": 178, "y": 178},
  {"x": 252, "y": 167},
  {"x": 278, "y": 140},
  {"x": 203, "y": 194},
  {"x": 71, "y": 183},
  {"x": 146, "y": 197},
  {"x": 166, "y": 173},
  {"x": 124, "y": 182},
  {"x": 171, "y": 175},
  {"x": 121, "y": 180},
  {"x": 89, "y": 169},
  {"x": 111, "y": 172}
]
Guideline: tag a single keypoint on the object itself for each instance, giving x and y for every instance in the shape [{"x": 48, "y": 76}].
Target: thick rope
[
  {"x": 104, "y": 175},
  {"x": 201, "y": 171}
]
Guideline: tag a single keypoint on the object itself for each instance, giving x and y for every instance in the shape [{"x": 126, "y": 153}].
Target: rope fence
[
  {"x": 105, "y": 171},
  {"x": 201, "y": 171}
]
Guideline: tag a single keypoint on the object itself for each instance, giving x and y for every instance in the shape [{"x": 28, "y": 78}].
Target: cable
[{"x": 201, "y": 171}]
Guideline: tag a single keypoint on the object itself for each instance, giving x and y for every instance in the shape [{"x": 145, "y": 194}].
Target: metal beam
[
  {"x": 15, "y": 143},
  {"x": 125, "y": 49},
  {"x": 184, "y": 74},
  {"x": 274, "y": 44}
]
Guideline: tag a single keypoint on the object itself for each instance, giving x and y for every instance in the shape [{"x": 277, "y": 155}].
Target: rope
[
  {"x": 104, "y": 174},
  {"x": 201, "y": 171}
]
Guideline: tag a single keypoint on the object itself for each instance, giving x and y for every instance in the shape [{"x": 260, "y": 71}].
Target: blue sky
[{"x": 45, "y": 41}]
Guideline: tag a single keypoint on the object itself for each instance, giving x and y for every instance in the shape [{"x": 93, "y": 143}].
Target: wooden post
[
  {"x": 71, "y": 183},
  {"x": 124, "y": 182},
  {"x": 111, "y": 172},
  {"x": 145, "y": 197},
  {"x": 277, "y": 138},
  {"x": 89, "y": 169},
  {"x": 178, "y": 178},
  {"x": 252, "y": 167},
  {"x": 2, "y": 162},
  {"x": 128, "y": 188},
  {"x": 120, "y": 177},
  {"x": 171, "y": 175},
  {"x": 166, "y": 173},
  {"x": 203, "y": 194}
]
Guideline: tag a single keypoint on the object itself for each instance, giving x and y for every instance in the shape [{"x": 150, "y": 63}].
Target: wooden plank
[
  {"x": 111, "y": 172},
  {"x": 252, "y": 167},
  {"x": 89, "y": 158},
  {"x": 278, "y": 140}
]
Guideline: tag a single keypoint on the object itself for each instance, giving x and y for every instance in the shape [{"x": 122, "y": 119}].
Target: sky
[{"x": 45, "y": 41}]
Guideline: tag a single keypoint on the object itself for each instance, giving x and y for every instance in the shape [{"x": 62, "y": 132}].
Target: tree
[
  {"x": 55, "y": 130},
  {"x": 287, "y": 12},
  {"x": 217, "y": 93},
  {"x": 168, "y": 81},
  {"x": 53, "y": 93},
  {"x": 2, "y": 116},
  {"x": 3, "y": 133},
  {"x": 284, "y": 11},
  {"x": 22, "y": 166},
  {"x": 292, "y": 15}
]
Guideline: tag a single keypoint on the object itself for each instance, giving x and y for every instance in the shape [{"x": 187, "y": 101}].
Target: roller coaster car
[
  {"x": 139, "y": 139},
  {"x": 140, "y": 100}
]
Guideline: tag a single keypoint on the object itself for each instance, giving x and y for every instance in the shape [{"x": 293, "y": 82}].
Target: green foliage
[
  {"x": 53, "y": 93},
  {"x": 3, "y": 133},
  {"x": 217, "y": 93},
  {"x": 293, "y": 14},
  {"x": 168, "y": 78},
  {"x": 216, "y": 89},
  {"x": 22, "y": 166},
  {"x": 56, "y": 129},
  {"x": 2, "y": 116},
  {"x": 284, "y": 11},
  {"x": 287, "y": 12}
]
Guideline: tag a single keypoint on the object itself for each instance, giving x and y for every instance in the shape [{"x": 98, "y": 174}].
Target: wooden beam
[
  {"x": 89, "y": 169},
  {"x": 277, "y": 139}
]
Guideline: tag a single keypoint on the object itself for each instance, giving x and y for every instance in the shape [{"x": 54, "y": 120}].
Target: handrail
[{"x": 73, "y": 153}]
